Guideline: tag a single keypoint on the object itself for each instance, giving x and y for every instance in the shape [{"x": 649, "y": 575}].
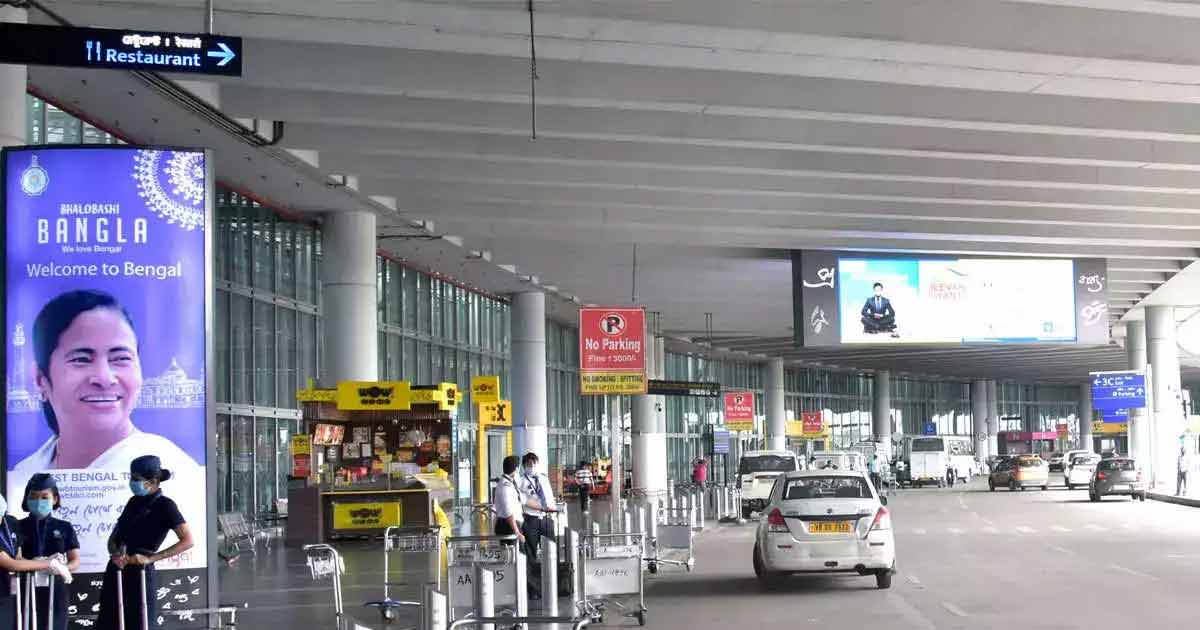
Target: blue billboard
[
  {"x": 105, "y": 321},
  {"x": 1118, "y": 390}
]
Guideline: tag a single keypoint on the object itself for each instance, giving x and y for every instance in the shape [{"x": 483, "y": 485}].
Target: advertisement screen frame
[{"x": 210, "y": 568}]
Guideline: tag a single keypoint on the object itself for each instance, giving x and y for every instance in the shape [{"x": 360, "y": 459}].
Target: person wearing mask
[
  {"x": 583, "y": 480},
  {"x": 700, "y": 472},
  {"x": 507, "y": 502},
  {"x": 539, "y": 504},
  {"x": 12, "y": 561},
  {"x": 149, "y": 516},
  {"x": 44, "y": 537}
]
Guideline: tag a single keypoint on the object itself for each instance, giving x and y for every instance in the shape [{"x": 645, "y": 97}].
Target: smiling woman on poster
[{"x": 89, "y": 378}]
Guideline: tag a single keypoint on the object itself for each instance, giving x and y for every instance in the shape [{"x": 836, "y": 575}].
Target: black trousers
[
  {"x": 585, "y": 494},
  {"x": 132, "y": 588},
  {"x": 1181, "y": 482}
]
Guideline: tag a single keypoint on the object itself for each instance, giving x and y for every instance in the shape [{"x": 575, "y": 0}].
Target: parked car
[
  {"x": 1054, "y": 461},
  {"x": 1020, "y": 472},
  {"x": 1079, "y": 470},
  {"x": 1118, "y": 475},
  {"x": 825, "y": 521}
]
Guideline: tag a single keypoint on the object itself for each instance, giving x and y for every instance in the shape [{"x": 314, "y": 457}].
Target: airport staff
[
  {"x": 44, "y": 537},
  {"x": 538, "y": 504},
  {"x": 148, "y": 517},
  {"x": 11, "y": 563},
  {"x": 507, "y": 502}
]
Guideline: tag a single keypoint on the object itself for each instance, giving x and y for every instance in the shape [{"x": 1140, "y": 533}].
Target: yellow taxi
[{"x": 1020, "y": 472}]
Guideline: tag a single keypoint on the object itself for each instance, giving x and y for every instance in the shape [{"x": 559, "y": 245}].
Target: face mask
[
  {"x": 528, "y": 470},
  {"x": 40, "y": 507},
  {"x": 138, "y": 488}
]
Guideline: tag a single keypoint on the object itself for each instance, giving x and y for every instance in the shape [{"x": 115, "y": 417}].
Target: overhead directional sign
[
  {"x": 1114, "y": 415},
  {"x": 120, "y": 49},
  {"x": 658, "y": 387},
  {"x": 1118, "y": 390}
]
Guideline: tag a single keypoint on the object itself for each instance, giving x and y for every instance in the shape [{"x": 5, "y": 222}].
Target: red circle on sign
[{"x": 612, "y": 324}]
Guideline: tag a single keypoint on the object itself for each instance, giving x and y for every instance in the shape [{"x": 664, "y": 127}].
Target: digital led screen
[{"x": 847, "y": 298}]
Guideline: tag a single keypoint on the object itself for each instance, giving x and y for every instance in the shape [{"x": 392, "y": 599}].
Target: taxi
[{"x": 825, "y": 522}]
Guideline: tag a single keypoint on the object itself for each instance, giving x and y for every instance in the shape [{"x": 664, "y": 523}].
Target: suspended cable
[{"x": 533, "y": 76}]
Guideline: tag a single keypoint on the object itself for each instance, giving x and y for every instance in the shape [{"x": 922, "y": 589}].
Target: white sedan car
[
  {"x": 825, "y": 522},
  {"x": 1079, "y": 469}
]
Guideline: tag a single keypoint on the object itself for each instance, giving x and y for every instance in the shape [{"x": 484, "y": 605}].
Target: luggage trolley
[
  {"x": 505, "y": 561},
  {"x": 325, "y": 562},
  {"x": 675, "y": 536},
  {"x": 612, "y": 569},
  {"x": 407, "y": 541}
]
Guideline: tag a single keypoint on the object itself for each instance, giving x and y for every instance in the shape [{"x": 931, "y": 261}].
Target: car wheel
[
  {"x": 769, "y": 580},
  {"x": 1012, "y": 485},
  {"x": 1045, "y": 488},
  {"x": 1142, "y": 496},
  {"x": 1070, "y": 486},
  {"x": 1093, "y": 496},
  {"x": 746, "y": 512},
  {"x": 883, "y": 579}
]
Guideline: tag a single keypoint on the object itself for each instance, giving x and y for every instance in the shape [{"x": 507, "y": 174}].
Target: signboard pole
[
  {"x": 1152, "y": 471},
  {"x": 617, "y": 442}
]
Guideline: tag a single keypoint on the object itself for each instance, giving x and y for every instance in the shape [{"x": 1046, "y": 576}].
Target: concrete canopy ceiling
[{"x": 716, "y": 137}]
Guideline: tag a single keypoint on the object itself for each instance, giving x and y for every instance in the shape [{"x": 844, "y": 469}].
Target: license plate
[{"x": 830, "y": 527}]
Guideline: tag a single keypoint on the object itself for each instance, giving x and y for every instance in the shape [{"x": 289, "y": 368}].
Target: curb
[{"x": 1167, "y": 498}]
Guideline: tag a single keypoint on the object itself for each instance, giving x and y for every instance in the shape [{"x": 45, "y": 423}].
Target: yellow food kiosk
[{"x": 373, "y": 454}]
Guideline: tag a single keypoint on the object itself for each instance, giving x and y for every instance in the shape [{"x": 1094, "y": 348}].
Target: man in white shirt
[
  {"x": 507, "y": 502},
  {"x": 538, "y": 504}
]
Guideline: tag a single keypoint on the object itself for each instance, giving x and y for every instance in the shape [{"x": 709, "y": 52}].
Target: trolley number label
[
  {"x": 462, "y": 584},
  {"x": 612, "y": 576},
  {"x": 491, "y": 553}
]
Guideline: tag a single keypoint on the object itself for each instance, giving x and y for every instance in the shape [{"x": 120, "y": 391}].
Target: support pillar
[
  {"x": 12, "y": 90},
  {"x": 1139, "y": 419},
  {"x": 979, "y": 419},
  {"x": 775, "y": 403},
  {"x": 1167, "y": 422},
  {"x": 1085, "y": 417},
  {"x": 881, "y": 410},
  {"x": 348, "y": 292},
  {"x": 648, "y": 426},
  {"x": 993, "y": 418},
  {"x": 529, "y": 376}
]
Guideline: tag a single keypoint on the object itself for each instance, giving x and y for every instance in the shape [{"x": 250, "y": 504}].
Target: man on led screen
[{"x": 878, "y": 316}]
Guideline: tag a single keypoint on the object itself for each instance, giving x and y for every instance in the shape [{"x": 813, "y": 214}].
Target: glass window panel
[
  {"x": 239, "y": 242},
  {"x": 306, "y": 348},
  {"x": 435, "y": 301},
  {"x": 287, "y": 373},
  {"x": 423, "y": 303},
  {"x": 223, "y": 460},
  {"x": 283, "y": 464},
  {"x": 423, "y": 364},
  {"x": 265, "y": 476},
  {"x": 61, "y": 127},
  {"x": 395, "y": 294},
  {"x": 92, "y": 135},
  {"x": 410, "y": 299},
  {"x": 264, "y": 353},
  {"x": 305, "y": 273},
  {"x": 241, "y": 476},
  {"x": 240, "y": 348},
  {"x": 435, "y": 364},
  {"x": 221, "y": 346},
  {"x": 262, "y": 237},
  {"x": 287, "y": 259},
  {"x": 35, "y": 129},
  {"x": 410, "y": 361},
  {"x": 395, "y": 358}
]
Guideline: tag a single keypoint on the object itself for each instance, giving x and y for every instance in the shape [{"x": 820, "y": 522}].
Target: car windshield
[
  {"x": 1118, "y": 464},
  {"x": 766, "y": 463},
  {"x": 831, "y": 487},
  {"x": 1029, "y": 462},
  {"x": 1084, "y": 459}
]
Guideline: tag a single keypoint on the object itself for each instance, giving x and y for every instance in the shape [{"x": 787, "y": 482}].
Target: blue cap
[
  {"x": 37, "y": 483},
  {"x": 148, "y": 466}
]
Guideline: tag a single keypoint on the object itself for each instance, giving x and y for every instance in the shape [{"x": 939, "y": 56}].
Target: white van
[
  {"x": 757, "y": 472},
  {"x": 837, "y": 460}
]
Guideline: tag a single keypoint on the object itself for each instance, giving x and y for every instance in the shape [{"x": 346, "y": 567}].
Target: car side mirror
[{"x": 883, "y": 500}]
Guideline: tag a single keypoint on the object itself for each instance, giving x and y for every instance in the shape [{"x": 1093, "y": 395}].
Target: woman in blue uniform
[
  {"x": 44, "y": 536},
  {"x": 141, "y": 529},
  {"x": 11, "y": 562}
]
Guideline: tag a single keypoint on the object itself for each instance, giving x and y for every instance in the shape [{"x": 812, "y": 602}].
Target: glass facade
[{"x": 268, "y": 342}]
